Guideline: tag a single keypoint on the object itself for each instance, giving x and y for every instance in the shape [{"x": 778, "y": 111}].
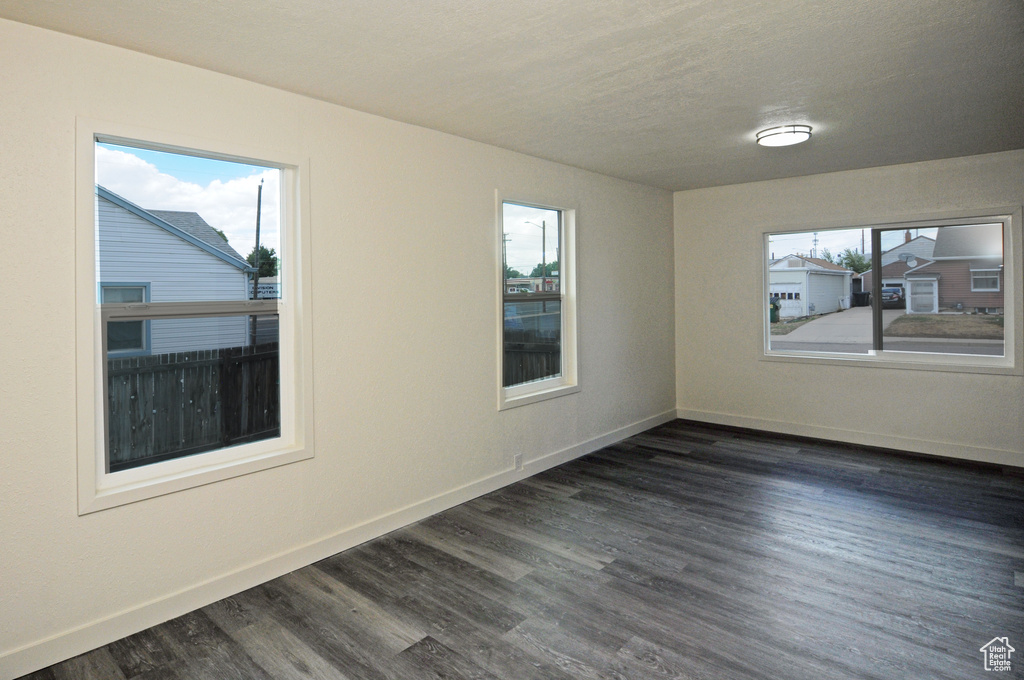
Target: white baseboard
[
  {"x": 43, "y": 653},
  {"x": 877, "y": 439}
]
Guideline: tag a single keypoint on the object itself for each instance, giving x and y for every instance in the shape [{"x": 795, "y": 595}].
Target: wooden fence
[
  {"x": 172, "y": 405},
  {"x": 527, "y": 360}
]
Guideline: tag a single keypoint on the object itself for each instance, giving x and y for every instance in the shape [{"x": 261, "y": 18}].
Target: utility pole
[
  {"x": 256, "y": 274},
  {"x": 543, "y": 255},
  {"x": 543, "y": 251},
  {"x": 504, "y": 257}
]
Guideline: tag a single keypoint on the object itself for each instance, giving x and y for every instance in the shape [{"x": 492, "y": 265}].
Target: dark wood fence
[
  {"x": 173, "y": 405},
  {"x": 526, "y": 359}
]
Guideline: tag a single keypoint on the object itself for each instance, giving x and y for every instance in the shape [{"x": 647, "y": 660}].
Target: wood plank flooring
[{"x": 684, "y": 552}]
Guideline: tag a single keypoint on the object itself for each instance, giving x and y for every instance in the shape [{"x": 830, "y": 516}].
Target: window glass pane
[
  {"x": 532, "y": 341},
  {"x": 940, "y": 290},
  {"x": 531, "y": 249},
  {"x": 815, "y": 303},
  {"x": 125, "y": 335},
  {"x": 123, "y": 294},
  {"x": 953, "y": 303},
  {"x": 207, "y": 385},
  {"x": 186, "y": 225}
]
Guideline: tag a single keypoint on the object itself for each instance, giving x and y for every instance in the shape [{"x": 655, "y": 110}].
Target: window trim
[
  {"x": 99, "y": 489},
  {"x": 1011, "y": 363},
  {"x": 568, "y": 380}
]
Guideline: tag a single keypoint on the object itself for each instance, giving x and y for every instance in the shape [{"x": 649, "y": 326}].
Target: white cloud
[
  {"x": 228, "y": 205},
  {"x": 522, "y": 224}
]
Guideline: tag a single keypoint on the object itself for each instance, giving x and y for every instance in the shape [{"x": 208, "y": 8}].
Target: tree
[
  {"x": 222, "y": 234},
  {"x": 550, "y": 269},
  {"x": 851, "y": 259},
  {"x": 511, "y": 273},
  {"x": 268, "y": 261},
  {"x": 828, "y": 256}
]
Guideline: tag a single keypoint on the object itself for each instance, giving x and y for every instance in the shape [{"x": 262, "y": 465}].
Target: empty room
[{"x": 523, "y": 340}]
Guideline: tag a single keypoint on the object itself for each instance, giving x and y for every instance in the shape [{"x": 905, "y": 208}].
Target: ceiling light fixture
[{"x": 784, "y": 135}]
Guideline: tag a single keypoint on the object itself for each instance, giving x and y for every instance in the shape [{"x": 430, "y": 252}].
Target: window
[
  {"x": 924, "y": 294},
  {"x": 537, "y": 356},
  {"x": 193, "y": 343},
  {"x": 126, "y": 337},
  {"x": 984, "y": 280}
]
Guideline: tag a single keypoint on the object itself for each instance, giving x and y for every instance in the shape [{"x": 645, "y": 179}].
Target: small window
[
  {"x": 985, "y": 280},
  {"x": 537, "y": 308},
  {"x": 126, "y": 337}
]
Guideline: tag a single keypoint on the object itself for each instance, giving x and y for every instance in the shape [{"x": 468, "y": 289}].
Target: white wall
[
  {"x": 404, "y": 390},
  {"x": 721, "y": 375}
]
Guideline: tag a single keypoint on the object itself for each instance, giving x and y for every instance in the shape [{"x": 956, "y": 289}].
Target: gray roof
[
  {"x": 974, "y": 241},
  {"x": 195, "y": 225}
]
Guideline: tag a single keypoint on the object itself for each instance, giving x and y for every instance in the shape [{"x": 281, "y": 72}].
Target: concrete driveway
[
  {"x": 849, "y": 331},
  {"x": 848, "y": 326}
]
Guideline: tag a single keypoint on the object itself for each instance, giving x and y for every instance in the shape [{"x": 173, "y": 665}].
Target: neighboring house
[
  {"x": 965, "y": 274},
  {"x": 166, "y": 256},
  {"x": 917, "y": 249},
  {"x": 920, "y": 247},
  {"x": 808, "y": 285},
  {"x": 892, "y": 274}
]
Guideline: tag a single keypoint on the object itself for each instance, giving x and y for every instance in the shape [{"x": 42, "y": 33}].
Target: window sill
[
  {"x": 512, "y": 397},
  {"x": 120, "y": 488},
  {"x": 911, "y": 361}
]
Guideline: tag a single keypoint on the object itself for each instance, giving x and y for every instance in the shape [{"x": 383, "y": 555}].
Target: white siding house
[
  {"x": 167, "y": 256},
  {"x": 921, "y": 248},
  {"x": 808, "y": 285}
]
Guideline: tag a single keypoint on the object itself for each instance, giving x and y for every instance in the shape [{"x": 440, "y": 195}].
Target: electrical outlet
[{"x": 517, "y": 460}]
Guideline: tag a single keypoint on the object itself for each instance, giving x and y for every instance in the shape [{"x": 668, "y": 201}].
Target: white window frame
[
  {"x": 99, "y": 489},
  {"x": 985, "y": 274},
  {"x": 567, "y": 382},
  {"x": 1012, "y": 361}
]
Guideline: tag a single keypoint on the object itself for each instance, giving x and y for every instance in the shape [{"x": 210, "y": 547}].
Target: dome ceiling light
[{"x": 784, "y": 135}]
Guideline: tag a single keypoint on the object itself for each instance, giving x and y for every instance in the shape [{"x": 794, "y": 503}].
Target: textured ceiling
[{"x": 663, "y": 93}]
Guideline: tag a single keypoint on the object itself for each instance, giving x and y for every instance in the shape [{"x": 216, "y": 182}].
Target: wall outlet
[{"x": 517, "y": 460}]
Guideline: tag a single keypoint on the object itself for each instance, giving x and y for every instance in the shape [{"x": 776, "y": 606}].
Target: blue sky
[
  {"x": 224, "y": 193},
  {"x": 192, "y": 169}
]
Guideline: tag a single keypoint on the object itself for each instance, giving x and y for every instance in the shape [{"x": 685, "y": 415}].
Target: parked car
[{"x": 893, "y": 297}]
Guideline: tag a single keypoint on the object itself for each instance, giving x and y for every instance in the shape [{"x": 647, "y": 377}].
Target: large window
[
  {"x": 196, "y": 325},
  {"x": 922, "y": 293},
  {"x": 537, "y": 306}
]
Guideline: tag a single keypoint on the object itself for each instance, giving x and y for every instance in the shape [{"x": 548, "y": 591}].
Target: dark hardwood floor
[{"x": 683, "y": 552}]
